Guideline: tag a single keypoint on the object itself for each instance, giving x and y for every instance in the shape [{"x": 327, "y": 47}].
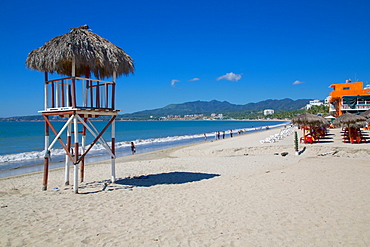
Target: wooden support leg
[
  {"x": 82, "y": 169},
  {"x": 113, "y": 158},
  {"x": 46, "y": 170},
  {"x": 68, "y": 160},
  {"x": 46, "y": 158},
  {"x": 75, "y": 173},
  {"x": 75, "y": 178},
  {"x": 83, "y": 151}
]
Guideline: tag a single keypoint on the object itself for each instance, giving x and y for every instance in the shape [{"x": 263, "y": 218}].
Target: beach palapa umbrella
[
  {"x": 89, "y": 52},
  {"x": 349, "y": 120},
  {"x": 308, "y": 119}
]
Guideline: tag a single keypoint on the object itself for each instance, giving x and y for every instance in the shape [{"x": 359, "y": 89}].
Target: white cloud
[
  {"x": 230, "y": 77},
  {"x": 194, "y": 79},
  {"x": 298, "y": 82},
  {"x": 173, "y": 82}
]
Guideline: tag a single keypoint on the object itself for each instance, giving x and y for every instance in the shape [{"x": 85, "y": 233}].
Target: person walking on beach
[
  {"x": 133, "y": 148},
  {"x": 231, "y": 133},
  {"x": 218, "y": 135},
  {"x": 205, "y": 137},
  {"x": 223, "y": 134}
]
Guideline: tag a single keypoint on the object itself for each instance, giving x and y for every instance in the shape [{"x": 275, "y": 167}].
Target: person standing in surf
[{"x": 133, "y": 148}]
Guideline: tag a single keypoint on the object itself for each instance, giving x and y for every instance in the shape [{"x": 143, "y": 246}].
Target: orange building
[{"x": 349, "y": 97}]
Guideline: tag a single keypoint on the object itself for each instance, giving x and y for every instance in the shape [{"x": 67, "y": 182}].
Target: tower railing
[{"x": 79, "y": 93}]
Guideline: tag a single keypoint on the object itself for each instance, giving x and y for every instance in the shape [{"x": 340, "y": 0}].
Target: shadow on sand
[
  {"x": 145, "y": 181},
  {"x": 165, "y": 178}
]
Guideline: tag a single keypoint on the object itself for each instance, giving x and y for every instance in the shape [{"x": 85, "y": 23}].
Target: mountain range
[
  {"x": 201, "y": 107},
  {"x": 214, "y": 106}
]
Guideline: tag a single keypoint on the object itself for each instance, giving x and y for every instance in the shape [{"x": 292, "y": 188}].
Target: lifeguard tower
[{"x": 79, "y": 97}]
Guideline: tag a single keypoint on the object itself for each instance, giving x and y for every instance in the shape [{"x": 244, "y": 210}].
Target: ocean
[{"x": 22, "y": 143}]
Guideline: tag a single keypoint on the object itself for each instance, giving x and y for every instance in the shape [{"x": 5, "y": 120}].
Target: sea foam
[{"x": 12, "y": 161}]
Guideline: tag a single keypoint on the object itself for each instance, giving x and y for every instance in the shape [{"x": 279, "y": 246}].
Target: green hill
[
  {"x": 214, "y": 106},
  {"x": 200, "y": 107}
]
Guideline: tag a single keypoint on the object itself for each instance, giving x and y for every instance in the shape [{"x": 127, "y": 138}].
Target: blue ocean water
[{"x": 22, "y": 143}]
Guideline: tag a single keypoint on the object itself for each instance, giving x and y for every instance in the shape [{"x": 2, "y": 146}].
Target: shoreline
[
  {"x": 232, "y": 192},
  {"x": 148, "y": 147},
  {"x": 247, "y": 119},
  {"x": 141, "y": 156},
  {"x": 162, "y": 153}
]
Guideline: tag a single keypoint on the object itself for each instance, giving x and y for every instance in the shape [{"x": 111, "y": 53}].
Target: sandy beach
[{"x": 232, "y": 192}]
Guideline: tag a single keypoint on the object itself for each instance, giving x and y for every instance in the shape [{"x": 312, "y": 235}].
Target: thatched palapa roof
[
  {"x": 90, "y": 51},
  {"x": 366, "y": 114},
  {"x": 308, "y": 119},
  {"x": 349, "y": 119}
]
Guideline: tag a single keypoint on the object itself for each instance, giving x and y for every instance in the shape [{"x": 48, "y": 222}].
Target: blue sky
[{"x": 238, "y": 51}]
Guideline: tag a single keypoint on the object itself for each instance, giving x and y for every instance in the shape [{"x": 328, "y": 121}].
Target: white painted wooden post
[
  {"x": 57, "y": 97},
  {"x": 75, "y": 170},
  {"x": 113, "y": 161},
  {"x": 73, "y": 67},
  {"x": 68, "y": 93},
  {"x": 74, "y": 93},
  {"x": 85, "y": 92},
  {"x": 46, "y": 92},
  {"x": 47, "y": 141},
  {"x": 113, "y": 158},
  {"x": 114, "y": 78},
  {"x": 105, "y": 95}
]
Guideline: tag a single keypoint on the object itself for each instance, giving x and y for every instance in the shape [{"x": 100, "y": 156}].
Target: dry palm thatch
[
  {"x": 90, "y": 51},
  {"x": 308, "y": 119},
  {"x": 366, "y": 114},
  {"x": 324, "y": 122},
  {"x": 349, "y": 120}
]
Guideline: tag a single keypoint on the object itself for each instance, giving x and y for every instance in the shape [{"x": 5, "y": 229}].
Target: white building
[
  {"x": 217, "y": 116},
  {"x": 315, "y": 102},
  {"x": 268, "y": 112}
]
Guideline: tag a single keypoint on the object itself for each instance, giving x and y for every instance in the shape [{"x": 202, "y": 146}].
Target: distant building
[
  {"x": 268, "y": 112},
  {"x": 217, "y": 116},
  {"x": 315, "y": 102},
  {"x": 350, "y": 97}
]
